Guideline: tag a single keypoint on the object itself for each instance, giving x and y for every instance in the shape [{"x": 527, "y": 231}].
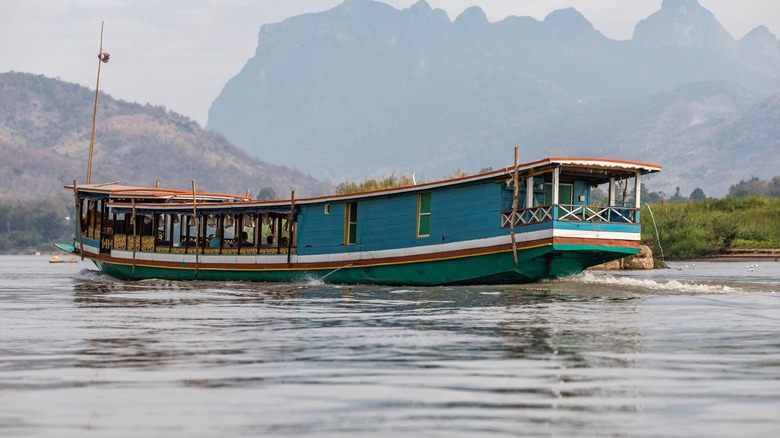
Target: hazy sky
[{"x": 180, "y": 53}]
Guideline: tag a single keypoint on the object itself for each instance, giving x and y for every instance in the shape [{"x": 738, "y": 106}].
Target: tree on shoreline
[
  {"x": 34, "y": 223},
  {"x": 755, "y": 186},
  {"x": 697, "y": 195}
]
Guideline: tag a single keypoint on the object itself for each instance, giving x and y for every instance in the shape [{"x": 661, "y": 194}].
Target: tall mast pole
[{"x": 94, "y": 111}]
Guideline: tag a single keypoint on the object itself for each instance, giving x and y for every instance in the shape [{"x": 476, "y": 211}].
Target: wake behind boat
[{"x": 519, "y": 224}]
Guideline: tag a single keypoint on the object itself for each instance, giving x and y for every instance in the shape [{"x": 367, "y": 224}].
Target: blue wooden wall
[{"x": 457, "y": 213}]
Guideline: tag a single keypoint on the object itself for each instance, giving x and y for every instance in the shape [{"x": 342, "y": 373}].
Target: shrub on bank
[{"x": 696, "y": 229}]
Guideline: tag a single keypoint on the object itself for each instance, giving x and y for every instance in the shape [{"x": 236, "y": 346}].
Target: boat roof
[
  {"x": 589, "y": 169},
  {"x": 115, "y": 190},
  {"x": 592, "y": 170}
]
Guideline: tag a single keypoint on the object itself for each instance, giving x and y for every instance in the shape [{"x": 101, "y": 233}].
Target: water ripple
[{"x": 665, "y": 353}]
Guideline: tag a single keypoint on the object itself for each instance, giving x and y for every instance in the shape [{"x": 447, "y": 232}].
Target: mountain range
[
  {"x": 45, "y": 135},
  {"x": 365, "y": 89}
]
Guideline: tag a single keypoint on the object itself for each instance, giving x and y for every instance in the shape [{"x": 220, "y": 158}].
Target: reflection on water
[{"x": 688, "y": 351}]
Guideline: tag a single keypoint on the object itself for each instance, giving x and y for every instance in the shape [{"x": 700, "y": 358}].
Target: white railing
[
  {"x": 571, "y": 213},
  {"x": 528, "y": 216}
]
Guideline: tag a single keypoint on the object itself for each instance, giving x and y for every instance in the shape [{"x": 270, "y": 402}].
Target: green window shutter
[
  {"x": 424, "y": 215},
  {"x": 350, "y": 229},
  {"x": 352, "y": 234},
  {"x": 424, "y": 228}
]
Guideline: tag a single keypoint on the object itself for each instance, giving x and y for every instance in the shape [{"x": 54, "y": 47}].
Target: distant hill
[
  {"x": 45, "y": 127},
  {"x": 365, "y": 89}
]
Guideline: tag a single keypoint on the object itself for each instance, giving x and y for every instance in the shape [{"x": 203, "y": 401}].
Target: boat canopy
[
  {"x": 202, "y": 209},
  {"x": 593, "y": 170},
  {"x": 151, "y": 194}
]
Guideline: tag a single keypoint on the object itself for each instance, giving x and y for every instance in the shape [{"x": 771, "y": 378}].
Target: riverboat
[{"x": 517, "y": 224}]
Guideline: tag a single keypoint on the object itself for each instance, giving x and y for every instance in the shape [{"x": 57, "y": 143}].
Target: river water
[{"x": 688, "y": 351}]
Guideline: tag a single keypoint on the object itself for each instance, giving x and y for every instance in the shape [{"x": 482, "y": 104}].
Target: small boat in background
[{"x": 57, "y": 259}]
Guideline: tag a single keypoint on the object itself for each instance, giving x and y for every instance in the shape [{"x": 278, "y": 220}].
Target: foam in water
[
  {"x": 93, "y": 275},
  {"x": 313, "y": 281},
  {"x": 654, "y": 285}
]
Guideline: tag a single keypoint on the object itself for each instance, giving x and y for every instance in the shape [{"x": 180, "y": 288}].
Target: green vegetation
[
  {"x": 367, "y": 185},
  {"x": 33, "y": 225},
  {"x": 387, "y": 182},
  {"x": 712, "y": 226},
  {"x": 697, "y": 226},
  {"x": 755, "y": 186}
]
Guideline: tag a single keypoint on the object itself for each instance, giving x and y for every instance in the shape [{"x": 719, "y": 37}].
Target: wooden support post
[
  {"x": 78, "y": 218},
  {"x": 516, "y": 182},
  {"x": 169, "y": 227},
  {"x": 220, "y": 232},
  {"x": 197, "y": 227},
  {"x": 637, "y": 189},
  {"x": 135, "y": 235},
  {"x": 290, "y": 228},
  {"x": 238, "y": 232},
  {"x": 611, "y": 191},
  {"x": 624, "y": 192}
]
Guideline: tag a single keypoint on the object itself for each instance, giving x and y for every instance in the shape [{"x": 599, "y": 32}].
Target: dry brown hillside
[{"x": 45, "y": 129}]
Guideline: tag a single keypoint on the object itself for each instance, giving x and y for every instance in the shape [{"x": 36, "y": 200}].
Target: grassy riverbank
[{"x": 712, "y": 227}]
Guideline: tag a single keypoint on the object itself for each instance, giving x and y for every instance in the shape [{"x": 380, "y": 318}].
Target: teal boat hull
[{"x": 534, "y": 264}]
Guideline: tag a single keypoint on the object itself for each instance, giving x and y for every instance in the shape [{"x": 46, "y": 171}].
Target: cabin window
[
  {"x": 120, "y": 224},
  {"x": 423, "y": 215},
  {"x": 350, "y": 229},
  {"x": 564, "y": 194},
  {"x": 327, "y": 208}
]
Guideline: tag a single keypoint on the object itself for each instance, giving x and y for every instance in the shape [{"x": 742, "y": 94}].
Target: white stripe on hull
[{"x": 344, "y": 258}]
